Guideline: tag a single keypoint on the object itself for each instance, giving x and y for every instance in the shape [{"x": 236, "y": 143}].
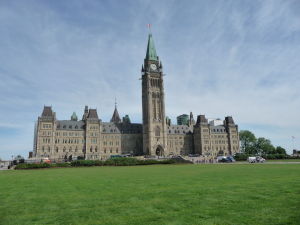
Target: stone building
[{"x": 91, "y": 138}]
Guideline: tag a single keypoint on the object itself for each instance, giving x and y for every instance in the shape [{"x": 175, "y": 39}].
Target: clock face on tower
[{"x": 153, "y": 67}]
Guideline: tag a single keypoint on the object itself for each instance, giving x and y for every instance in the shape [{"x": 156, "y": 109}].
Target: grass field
[
  {"x": 160, "y": 194},
  {"x": 283, "y": 160}
]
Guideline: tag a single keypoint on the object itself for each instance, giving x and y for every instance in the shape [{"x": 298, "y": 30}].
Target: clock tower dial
[{"x": 153, "y": 67}]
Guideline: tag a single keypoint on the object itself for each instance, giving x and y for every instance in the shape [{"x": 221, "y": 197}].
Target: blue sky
[{"x": 239, "y": 58}]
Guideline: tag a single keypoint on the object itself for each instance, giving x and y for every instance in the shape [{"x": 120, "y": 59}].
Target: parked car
[
  {"x": 225, "y": 159},
  {"x": 256, "y": 159},
  {"x": 46, "y": 160}
]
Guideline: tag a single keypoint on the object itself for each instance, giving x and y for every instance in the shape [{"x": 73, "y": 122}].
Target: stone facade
[{"x": 90, "y": 138}]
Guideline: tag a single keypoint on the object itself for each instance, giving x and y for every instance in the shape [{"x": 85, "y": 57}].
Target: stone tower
[{"x": 153, "y": 103}]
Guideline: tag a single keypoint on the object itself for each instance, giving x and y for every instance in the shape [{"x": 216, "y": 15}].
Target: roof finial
[{"x": 115, "y": 102}]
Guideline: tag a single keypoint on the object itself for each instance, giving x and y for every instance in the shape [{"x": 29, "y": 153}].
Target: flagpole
[
  {"x": 149, "y": 26},
  {"x": 293, "y": 142}
]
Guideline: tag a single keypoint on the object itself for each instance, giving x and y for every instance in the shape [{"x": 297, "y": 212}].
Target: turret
[{"x": 74, "y": 117}]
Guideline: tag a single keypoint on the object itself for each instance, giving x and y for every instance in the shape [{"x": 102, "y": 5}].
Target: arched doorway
[{"x": 159, "y": 151}]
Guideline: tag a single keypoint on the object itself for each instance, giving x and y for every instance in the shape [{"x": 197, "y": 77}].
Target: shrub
[
  {"x": 61, "y": 164},
  {"x": 32, "y": 166},
  {"x": 241, "y": 156},
  {"x": 87, "y": 163},
  {"x": 121, "y": 162}
]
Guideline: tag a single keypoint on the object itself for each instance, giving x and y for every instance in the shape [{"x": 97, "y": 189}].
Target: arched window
[
  {"x": 76, "y": 149},
  {"x": 157, "y": 131},
  {"x": 96, "y": 149},
  {"x": 91, "y": 149},
  {"x": 43, "y": 148},
  {"x": 56, "y": 149},
  {"x": 48, "y": 148},
  {"x": 70, "y": 149},
  {"x": 64, "y": 149}
]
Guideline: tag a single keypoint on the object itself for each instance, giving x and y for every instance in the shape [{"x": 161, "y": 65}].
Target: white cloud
[{"x": 221, "y": 58}]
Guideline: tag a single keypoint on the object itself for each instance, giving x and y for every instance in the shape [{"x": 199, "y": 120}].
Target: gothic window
[
  {"x": 56, "y": 149},
  {"x": 76, "y": 149},
  {"x": 76, "y": 127},
  {"x": 96, "y": 149},
  {"x": 158, "y": 109},
  {"x": 157, "y": 131},
  {"x": 70, "y": 149},
  {"x": 48, "y": 148},
  {"x": 64, "y": 126},
  {"x": 64, "y": 149},
  {"x": 154, "y": 109}
]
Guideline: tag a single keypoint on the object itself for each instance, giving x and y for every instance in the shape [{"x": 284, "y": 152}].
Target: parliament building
[{"x": 91, "y": 138}]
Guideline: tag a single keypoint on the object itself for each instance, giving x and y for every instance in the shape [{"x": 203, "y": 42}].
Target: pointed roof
[
  {"x": 47, "y": 111},
  {"x": 151, "y": 52},
  {"x": 92, "y": 114},
  {"x": 115, "y": 117},
  {"x": 74, "y": 117}
]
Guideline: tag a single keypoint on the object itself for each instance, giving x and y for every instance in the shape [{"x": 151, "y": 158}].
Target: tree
[
  {"x": 248, "y": 140},
  {"x": 280, "y": 150},
  {"x": 264, "y": 146}
]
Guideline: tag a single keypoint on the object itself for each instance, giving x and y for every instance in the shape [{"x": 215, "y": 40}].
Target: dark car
[{"x": 225, "y": 159}]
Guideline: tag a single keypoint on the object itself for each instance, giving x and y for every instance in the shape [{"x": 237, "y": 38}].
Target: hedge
[
  {"x": 32, "y": 166},
  {"x": 86, "y": 163},
  {"x": 110, "y": 162}
]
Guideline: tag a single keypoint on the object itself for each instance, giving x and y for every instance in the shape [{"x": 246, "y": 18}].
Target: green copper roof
[
  {"x": 151, "y": 52},
  {"x": 74, "y": 117}
]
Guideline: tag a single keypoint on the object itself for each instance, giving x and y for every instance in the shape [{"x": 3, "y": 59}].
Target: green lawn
[
  {"x": 283, "y": 160},
  {"x": 160, "y": 194}
]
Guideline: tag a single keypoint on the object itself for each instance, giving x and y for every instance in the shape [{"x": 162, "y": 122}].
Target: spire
[
  {"x": 86, "y": 112},
  {"x": 192, "y": 121},
  {"x": 115, "y": 117},
  {"x": 151, "y": 52}
]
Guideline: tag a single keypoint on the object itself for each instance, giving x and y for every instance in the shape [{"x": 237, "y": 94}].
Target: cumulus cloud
[{"x": 220, "y": 58}]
